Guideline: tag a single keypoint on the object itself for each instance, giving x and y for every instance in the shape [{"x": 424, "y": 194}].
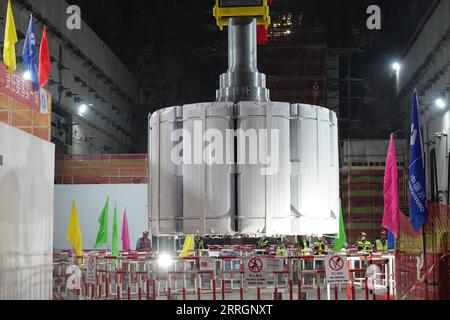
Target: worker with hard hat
[
  {"x": 363, "y": 244},
  {"x": 200, "y": 246},
  {"x": 303, "y": 246},
  {"x": 144, "y": 244},
  {"x": 282, "y": 249},
  {"x": 263, "y": 243},
  {"x": 321, "y": 247},
  {"x": 382, "y": 243}
]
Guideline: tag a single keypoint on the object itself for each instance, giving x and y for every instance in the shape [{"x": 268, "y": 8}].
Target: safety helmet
[{"x": 363, "y": 234}]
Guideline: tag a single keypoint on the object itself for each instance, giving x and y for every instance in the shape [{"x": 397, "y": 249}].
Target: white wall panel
[{"x": 26, "y": 215}]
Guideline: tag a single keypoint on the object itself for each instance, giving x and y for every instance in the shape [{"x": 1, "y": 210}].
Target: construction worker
[
  {"x": 363, "y": 244},
  {"x": 321, "y": 247},
  {"x": 302, "y": 246},
  {"x": 263, "y": 243},
  {"x": 382, "y": 243},
  {"x": 200, "y": 246},
  {"x": 144, "y": 244},
  {"x": 316, "y": 92},
  {"x": 282, "y": 250}
]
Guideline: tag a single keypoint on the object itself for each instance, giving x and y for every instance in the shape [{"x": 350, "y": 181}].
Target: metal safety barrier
[{"x": 141, "y": 277}]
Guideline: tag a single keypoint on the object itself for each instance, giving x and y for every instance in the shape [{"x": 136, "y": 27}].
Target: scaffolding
[
  {"x": 295, "y": 58},
  {"x": 363, "y": 201}
]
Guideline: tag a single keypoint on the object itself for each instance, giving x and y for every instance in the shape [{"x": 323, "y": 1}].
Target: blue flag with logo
[
  {"x": 29, "y": 54},
  {"x": 417, "y": 187}
]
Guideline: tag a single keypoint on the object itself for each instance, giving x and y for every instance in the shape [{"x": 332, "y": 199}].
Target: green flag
[
  {"x": 115, "y": 235},
  {"x": 102, "y": 235},
  {"x": 340, "y": 241}
]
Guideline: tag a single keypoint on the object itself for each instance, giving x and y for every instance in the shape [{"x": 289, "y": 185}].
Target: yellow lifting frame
[{"x": 222, "y": 14}]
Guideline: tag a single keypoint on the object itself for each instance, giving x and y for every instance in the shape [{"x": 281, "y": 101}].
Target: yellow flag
[
  {"x": 188, "y": 247},
  {"x": 74, "y": 231},
  {"x": 9, "y": 46}
]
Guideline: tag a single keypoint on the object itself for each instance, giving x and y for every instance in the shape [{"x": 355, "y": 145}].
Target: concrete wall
[
  {"x": 436, "y": 135},
  {"x": 54, "y": 11},
  {"x": 90, "y": 200},
  {"x": 426, "y": 67},
  {"x": 84, "y": 71},
  {"x": 370, "y": 151},
  {"x": 428, "y": 53},
  {"x": 26, "y": 215}
]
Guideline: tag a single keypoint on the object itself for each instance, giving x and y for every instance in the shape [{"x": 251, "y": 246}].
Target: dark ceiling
[{"x": 176, "y": 51}]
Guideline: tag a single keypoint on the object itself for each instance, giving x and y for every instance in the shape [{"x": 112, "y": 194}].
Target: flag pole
[
  {"x": 424, "y": 241},
  {"x": 424, "y": 233},
  {"x": 448, "y": 180}
]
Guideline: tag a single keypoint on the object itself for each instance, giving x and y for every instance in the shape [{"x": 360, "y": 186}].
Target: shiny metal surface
[
  {"x": 165, "y": 192},
  {"x": 315, "y": 170},
  {"x": 208, "y": 186},
  {"x": 264, "y": 199},
  {"x": 300, "y": 198},
  {"x": 242, "y": 81}
]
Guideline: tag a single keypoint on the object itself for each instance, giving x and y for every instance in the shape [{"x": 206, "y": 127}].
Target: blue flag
[
  {"x": 29, "y": 54},
  {"x": 391, "y": 241},
  {"x": 417, "y": 187}
]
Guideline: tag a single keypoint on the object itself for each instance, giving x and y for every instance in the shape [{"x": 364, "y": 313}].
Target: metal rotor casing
[
  {"x": 208, "y": 189},
  {"x": 315, "y": 170},
  {"x": 165, "y": 180},
  {"x": 301, "y": 198},
  {"x": 264, "y": 200}
]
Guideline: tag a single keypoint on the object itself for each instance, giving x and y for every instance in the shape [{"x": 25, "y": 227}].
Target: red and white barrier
[{"x": 139, "y": 277}]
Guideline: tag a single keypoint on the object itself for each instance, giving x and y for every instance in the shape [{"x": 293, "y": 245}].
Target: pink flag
[
  {"x": 126, "y": 246},
  {"x": 391, "y": 208}
]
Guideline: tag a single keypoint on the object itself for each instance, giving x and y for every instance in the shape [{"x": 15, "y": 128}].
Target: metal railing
[{"x": 140, "y": 277}]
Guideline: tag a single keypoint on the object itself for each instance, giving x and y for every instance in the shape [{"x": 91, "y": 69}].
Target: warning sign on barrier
[
  {"x": 91, "y": 267},
  {"x": 336, "y": 269},
  {"x": 255, "y": 271},
  {"x": 275, "y": 265}
]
